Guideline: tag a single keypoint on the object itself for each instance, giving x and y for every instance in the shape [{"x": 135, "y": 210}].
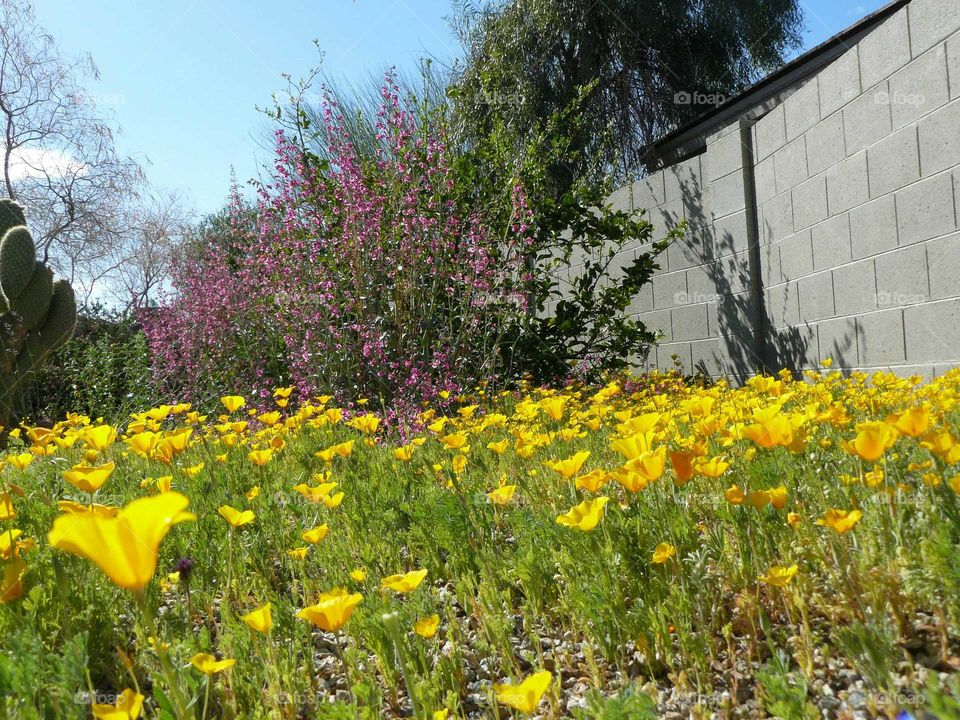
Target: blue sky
[{"x": 183, "y": 77}]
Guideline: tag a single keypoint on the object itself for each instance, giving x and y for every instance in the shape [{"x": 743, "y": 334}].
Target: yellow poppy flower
[
  {"x": 11, "y": 585},
  {"x": 332, "y": 610},
  {"x": 100, "y": 437},
  {"x": 526, "y": 695},
  {"x": 779, "y": 576},
  {"x": 260, "y": 457},
  {"x": 332, "y": 501},
  {"x": 570, "y": 466},
  {"x": 298, "y": 553},
  {"x": 427, "y": 627},
  {"x": 259, "y": 620},
  {"x": 236, "y": 518},
  {"x": 498, "y": 447},
  {"x": 592, "y": 481},
  {"x": 554, "y": 406},
  {"x": 233, "y": 402},
  {"x": 358, "y": 574},
  {"x": 713, "y": 467},
  {"x": 663, "y": 552},
  {"x": 315, "y": 535},
  {"x": 316, "y": 493},
  {"x": 648, "y": 464},
  {"x": 89, "y": 479},
  {"x": 367, "y": 424},
  {"x": 584, "y": 516},
  {"x": 7, "y": 511},
  {"x": 71, "y": 507},
  {"x": 502, "y": 495},
  {"x": 873, "y": 440},
  {"x": 125, "y": 547},
  {"x": 404, "y": 583},
  {"x": 128, "y": 706},
  {"x": 209, "y": 665},
  {"x": 403, "y": 454},
  {"x": 840, "y": 521}
]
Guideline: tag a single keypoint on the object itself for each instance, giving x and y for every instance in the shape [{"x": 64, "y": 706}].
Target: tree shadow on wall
[{"x": 751, "y": 340}]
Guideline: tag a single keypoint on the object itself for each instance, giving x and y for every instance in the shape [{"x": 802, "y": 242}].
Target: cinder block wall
[{"x": 855, "y": 184}]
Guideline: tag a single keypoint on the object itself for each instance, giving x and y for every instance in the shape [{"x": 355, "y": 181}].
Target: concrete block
[
  {"x": 690, "y": 322},
  {"x": 728, "y": 194},
  {"x": 777, "y": 218},
  {"x": 837, "y": 339},
  {"x": 621, "y": 261},
  {"x": 732, "y": 274},
  {"x": 783, "y": 305},
  {"x": 825, "y": 144},
  {"x": 764, "y": 176},
  {"x": 809, "y": 202},
  {"x": 902, "y": 277},
  {"x": 796, "y": 255},
  {"x": 770, "y": 272},
  {"x": 816, "y": 297},
  {"x": 802, "y": 109},
  {"x": 684, "y": 253},
  {"x": 669, "y": 290},
  {"x": 894, "y": 162},
  {"x": 866, "y": 119},
  {"x": 731, "y": 315},
  {"x": 771, "y": 133},
  {"x": 621, "y": 199},
  {"x": 873, "y": 227},
  {"x": 668, "y": 354},
  {"x": 831, "y": 242},
  {"x": 659, "y": 321},
  {"x": 847, "y": 184},
  {"x": 925, "y": 209},
  {"x": 880, "y": 339},
  {"x": 723, "y": 157},
  {"x": 666, "y": 217},
  {"x": 698, "y": 209},
  {"x": 940, "y": 139},
  {"x": 855, "y": 288},
  {"x": 953, "y": 65},
  {"x": 933, "y": 331},
  {"x": 683, "y": 179},
  {"x": 705, "y": 356},
  {"x": 649, "y": 193},
  {"x": 790, "y": 164},
  {"x": 642, "y": 301},
  {"x": 920, "y": 87},
  {"x": 839, "y": 82},
  {"x": 702, "y": 282},
  {"x": 942, "y": 255},
  {"x": 930, "y": 22},
  {"x": 795, "y": 347},
  {"x": 730, "y": 234},
  {"x": 885, "y": 50}
]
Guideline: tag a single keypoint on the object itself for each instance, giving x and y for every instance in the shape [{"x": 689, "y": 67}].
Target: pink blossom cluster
[{"x": 365, "y": 276}]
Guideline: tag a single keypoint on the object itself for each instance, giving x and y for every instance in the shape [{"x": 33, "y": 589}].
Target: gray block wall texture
[{"x": 853, "y": 207}]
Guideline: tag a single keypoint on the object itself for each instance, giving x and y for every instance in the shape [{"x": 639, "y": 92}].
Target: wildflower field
[{"x": 649, "y": 548}]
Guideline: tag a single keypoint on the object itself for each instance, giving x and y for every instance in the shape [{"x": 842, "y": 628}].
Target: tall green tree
[{"x": 635, "y": 69}]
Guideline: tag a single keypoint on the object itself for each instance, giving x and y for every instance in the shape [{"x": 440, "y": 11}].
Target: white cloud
[{"x": 38, "y": 162}]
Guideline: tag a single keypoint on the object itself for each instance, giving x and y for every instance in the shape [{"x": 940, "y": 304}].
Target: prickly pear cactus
[{"x": 37, "y": 315}]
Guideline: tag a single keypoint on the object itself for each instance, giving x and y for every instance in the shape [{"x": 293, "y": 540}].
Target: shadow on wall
[{"x": 746, "y": 348}]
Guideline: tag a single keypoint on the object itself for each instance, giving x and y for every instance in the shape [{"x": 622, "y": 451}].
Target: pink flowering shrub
[{"x": 365, "y": 277}]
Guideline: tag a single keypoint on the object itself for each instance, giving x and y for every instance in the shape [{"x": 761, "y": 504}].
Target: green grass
[{"x": 516, "y": 592}]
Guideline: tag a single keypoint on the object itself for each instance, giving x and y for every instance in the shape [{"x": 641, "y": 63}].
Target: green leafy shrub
[{"x": 103, "y": 371}]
